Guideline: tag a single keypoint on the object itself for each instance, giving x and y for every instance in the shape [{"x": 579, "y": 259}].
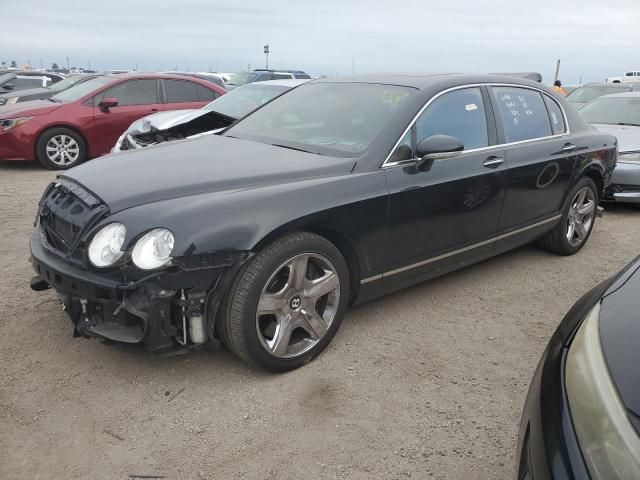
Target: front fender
[{"x": 354, "y": 205}]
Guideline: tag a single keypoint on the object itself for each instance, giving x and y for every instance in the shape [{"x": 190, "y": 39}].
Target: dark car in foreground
[
  {"x": 337, "y": 192},
  {"x": 619, "y": 115},
  {"x": 42, "y": 93},
  {"x": 85, "y": 121},
  {"x": 581, "y": 419},
  {"x": 221, "y": 113}
]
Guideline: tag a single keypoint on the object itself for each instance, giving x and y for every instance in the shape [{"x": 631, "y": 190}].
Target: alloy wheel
[
  {"x": 581, "y": 215},
  {"x": 298, "y": 305},
  {"x": 62, "y": 150}
]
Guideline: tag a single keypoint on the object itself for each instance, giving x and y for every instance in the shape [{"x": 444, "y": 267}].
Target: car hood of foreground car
[
  {"x": 202, "y": 165},
  {"x": 620, "y": 335},
  {"x": 628, "y": 135},
  {"x": 28, "y": 109}
]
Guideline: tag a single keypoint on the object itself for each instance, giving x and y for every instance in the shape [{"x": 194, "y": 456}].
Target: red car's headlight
[{"x": 9, "y": 123}]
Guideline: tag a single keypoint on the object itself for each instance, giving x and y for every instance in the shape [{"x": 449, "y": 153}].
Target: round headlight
[
  {"x": 153, "y": 250},
  {"x": 106, "y": 247}
]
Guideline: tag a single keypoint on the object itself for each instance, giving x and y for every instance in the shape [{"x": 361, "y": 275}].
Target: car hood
[
  {"x": 29, "y": 109},
  {"x": 164, "y": 120},
  {"x": 628, "y": 136},
  {"x": 202, "y": 165},
  {"x": 27, "y": 92},
  {"x": 620, "y": 334}
]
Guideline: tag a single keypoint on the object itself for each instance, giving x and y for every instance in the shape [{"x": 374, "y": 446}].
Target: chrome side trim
[
  {"x": 387, "y": 164},
  {"x": 459, "y": 251}
]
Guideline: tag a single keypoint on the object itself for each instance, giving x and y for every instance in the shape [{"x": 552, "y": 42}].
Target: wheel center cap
[{"x": 295, "y": 302}]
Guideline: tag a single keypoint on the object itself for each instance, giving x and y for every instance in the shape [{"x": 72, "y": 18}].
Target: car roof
[
  {"x": 423, "y": 81},
  {"x": 621, "y": 95},
  {"x": 289, "y": 82},
  {"x": 611, "y": 85}
]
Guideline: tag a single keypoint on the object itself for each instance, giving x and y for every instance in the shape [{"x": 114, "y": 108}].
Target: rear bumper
[{"x": 161, "y": 310}]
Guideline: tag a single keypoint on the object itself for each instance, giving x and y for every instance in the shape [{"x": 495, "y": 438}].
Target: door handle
[
  {"x": 493, "y": 162},
  {"x": 568, "y": 147},
  {"x": 154, "y": 109}
]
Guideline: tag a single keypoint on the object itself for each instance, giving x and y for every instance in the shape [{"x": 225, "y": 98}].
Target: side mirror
[
  {"x": 8, "y": 86},
  {"x": 437, "y": 147},
  {"x": 107, "y": 102}
]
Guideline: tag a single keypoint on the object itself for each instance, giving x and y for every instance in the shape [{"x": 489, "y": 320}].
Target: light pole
[{"x": 266, "y": 52}]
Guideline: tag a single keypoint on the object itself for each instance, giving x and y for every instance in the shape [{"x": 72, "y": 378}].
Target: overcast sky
[{"x": 594, "y": 38}]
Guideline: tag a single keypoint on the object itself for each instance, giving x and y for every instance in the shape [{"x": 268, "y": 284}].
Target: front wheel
[
  {"x": 60, "y": 149},
  {"x": 578, "y": 218},
  {"x": 287, "y": 303}
]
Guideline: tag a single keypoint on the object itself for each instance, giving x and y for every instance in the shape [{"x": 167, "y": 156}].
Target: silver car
[
  {"x": 221, "y": 113},
  {"x": 619, "y": 115}
]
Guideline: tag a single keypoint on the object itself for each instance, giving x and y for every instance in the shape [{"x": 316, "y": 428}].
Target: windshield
[
  {"x": 613, "y": 111},
  {"x": 7, "y": 77},
  {"x": 242, "y": 101},
  {"x": 340, "y": 119},
  {"x": 586, "y": 94},
  {"x": 81, "y": 89},
  {"x": 241, "y": 78},
  {"x": 66, "y": 83}
]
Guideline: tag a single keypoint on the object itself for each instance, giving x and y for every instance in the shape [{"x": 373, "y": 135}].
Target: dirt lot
[{"x": 426, "y": 383}]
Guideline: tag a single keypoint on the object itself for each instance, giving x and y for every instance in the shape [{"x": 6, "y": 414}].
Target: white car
[{"x": 221, "y": 113}]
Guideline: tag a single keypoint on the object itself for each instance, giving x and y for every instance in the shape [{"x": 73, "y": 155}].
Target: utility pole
[
  {"x": 266, "y": 52},
  {"x": 557, "y": 70},
  {"x": 353, "y": 65},
  {"x": 580, "y": 83},
  {"x": 67, "y": 64}
]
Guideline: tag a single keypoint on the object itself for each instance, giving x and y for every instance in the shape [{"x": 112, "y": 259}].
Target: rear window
[
  {"x": 523, "y": 112},
  {"x": 588, "y": 93},
  {"x": 180, "y": 91}
]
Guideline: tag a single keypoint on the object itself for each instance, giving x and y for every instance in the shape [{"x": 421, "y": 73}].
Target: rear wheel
[
  {"x": 287, "y": 303},
  {"x": 60, "y": 148},
  {"x": 578, "y": 218}
]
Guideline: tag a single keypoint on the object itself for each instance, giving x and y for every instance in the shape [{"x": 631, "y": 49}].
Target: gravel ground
[{"x": 425, "y": 383}]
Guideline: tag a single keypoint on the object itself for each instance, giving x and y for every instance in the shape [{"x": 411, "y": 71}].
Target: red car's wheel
[{"x": 60, "y": 149}]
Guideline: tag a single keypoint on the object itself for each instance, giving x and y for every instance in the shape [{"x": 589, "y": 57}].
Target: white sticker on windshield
[{"x": 470, "y": 107}]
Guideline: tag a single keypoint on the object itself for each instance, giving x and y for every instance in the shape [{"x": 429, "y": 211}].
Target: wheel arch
[
  {"x": 339, "y": 239},
  {"x": 595, "y": 172}
]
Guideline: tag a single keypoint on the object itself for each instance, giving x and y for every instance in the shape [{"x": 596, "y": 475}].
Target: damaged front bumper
[{"x": 174, "y": 307}]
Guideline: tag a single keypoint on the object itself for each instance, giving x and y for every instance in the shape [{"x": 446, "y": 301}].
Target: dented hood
[
  {"x": 164, "y": 120},
  {"x": 202, "y": 165}
]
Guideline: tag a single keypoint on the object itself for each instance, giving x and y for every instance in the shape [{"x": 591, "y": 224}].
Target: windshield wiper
[
  {"x": 294, "y": 148},
  {"x": 628, "y": 124},
  {"x": 54, "y": 100}
]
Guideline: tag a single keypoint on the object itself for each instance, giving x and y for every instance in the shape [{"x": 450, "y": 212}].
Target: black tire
[
  {"x": 61, "y": 133},
  {"x": 556, "y": 240},
  {"x": 237, "y": 322}
]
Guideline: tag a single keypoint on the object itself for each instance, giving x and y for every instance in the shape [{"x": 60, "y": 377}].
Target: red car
[{"x": 85, "y": 120}]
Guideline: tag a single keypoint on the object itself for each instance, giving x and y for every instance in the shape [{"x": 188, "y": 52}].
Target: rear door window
[
  {"x": 282, "y": 76},
  {"x": 555, "y": 115},
  {"x": 181, "y": 91},
  {"x": 460, "y": 114},
  {"x": 523, "y": 112},
  {"x": 206, "y": 95}
]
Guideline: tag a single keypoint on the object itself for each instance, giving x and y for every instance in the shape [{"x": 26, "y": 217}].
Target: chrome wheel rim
[
  {"x": 62, "y": 150},
  {"x": 297, "y": 305},
  {"x": 581, "y": 215}
]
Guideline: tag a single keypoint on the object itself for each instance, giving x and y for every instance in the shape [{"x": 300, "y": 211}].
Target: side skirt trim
[{"x": 459, "y": 251}]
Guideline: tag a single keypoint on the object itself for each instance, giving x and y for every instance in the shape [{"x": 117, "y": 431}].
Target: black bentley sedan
[
  {"x": 581, "y": 419},
  {"x": 335, "y": 193}
]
